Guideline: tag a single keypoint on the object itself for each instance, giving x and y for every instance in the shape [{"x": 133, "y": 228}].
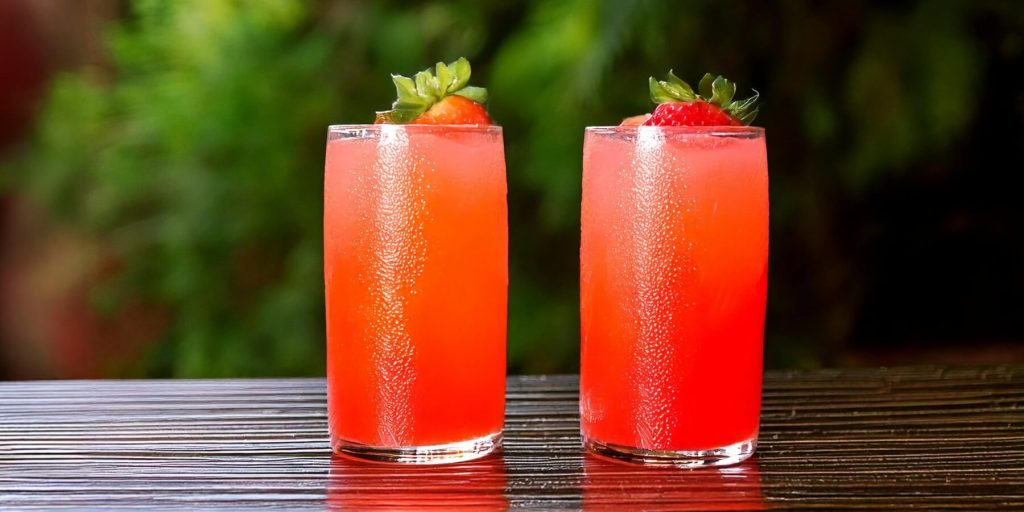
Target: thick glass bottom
[
  {"x": 723, "y": 456},
  {"x": 433, "y": 454}
]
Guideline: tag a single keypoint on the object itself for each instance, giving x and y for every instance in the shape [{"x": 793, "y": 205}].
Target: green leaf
[
  {"x": 660, "y": 93},
  {"x": 410, "y": 103},
  {"x": 406, "y": 89},
  {"x": 748, "y": 117},
  {"x": 672, "y": 90},
  {"x": 477, "y": 94},
  {"x": 683, "y": 87},
  {"x": 741, "y": 106},
  {"x": 678, "y": 93},
  {"x": 426, "y": 86},
  {"x": 461, "y": 69},
  {"x": 705, "y": 85},
  {"x": 404, "y": 113},
  {"x": 720, "y": 92},
  {"x": 444, "y": 78}
]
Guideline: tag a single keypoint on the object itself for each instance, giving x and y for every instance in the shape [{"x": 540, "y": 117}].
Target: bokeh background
[{"x": 160, "y": 193}]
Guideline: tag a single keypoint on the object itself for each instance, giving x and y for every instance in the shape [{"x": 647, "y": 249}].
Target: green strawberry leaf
[
  {"x": 404, "y": 113},
  {"x": 720, "y": 94},
  {"x": 671, "y": 90},
  {"x": 460, "y": 68},
  {"x": 444, "y": 78},
  {"x": 740, "y": 106},
  {"x": 705, "y": 85},
  {"x": 748, "y": 117},
  {"x": 426, "y": 86},
  {"x": 684, "y": 89},
  {"x": 477, "y": 94},
  {"x": 406, "y": 89}
]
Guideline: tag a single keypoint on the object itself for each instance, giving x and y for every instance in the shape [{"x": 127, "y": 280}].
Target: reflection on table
[
  {"x": 475, "y": 485},
  {"x": 615, "y": 485}
]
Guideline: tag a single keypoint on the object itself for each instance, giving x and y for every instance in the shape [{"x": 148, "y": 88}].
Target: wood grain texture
[{"x": 932, "y": 438}]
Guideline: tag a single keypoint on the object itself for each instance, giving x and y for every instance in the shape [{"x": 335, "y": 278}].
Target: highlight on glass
[
  {"x": 416, "y": 276},
  {"x": 673, "y": 279}
]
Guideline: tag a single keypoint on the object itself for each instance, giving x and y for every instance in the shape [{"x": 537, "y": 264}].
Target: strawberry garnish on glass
[
  {"x": 439, "y": 97},
  {"x": 679, "y": 105}
]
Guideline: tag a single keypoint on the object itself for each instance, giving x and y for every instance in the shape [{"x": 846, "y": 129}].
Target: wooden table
[{"x": 882, "y": 438}]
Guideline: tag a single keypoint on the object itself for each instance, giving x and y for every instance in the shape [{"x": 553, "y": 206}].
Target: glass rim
[
  {"x": 476, "y": 128},
  {"x": 683, "y": 130}
]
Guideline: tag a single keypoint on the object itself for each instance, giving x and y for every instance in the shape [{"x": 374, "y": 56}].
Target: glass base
[
  {"x": 724, "y": 456},
  {"x": 432, "y": 454}
]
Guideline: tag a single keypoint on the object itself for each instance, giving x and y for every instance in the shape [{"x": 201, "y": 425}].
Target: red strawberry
[
  {"x": 441, "y": 98},
  {"x": 678, "y": 105},
  {"x": 635, "y": 120},
  {"x": 454, "y": 110},
  {"x": 694, "y": 113}
]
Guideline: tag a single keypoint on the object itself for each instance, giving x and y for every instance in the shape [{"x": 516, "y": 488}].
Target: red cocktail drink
[
  {"x": 674, "y": 267},
  {"x": 416, "y": 276}
]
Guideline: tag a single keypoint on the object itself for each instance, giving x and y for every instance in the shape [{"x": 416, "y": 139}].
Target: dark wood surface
[{"x": 930, "y": 438}]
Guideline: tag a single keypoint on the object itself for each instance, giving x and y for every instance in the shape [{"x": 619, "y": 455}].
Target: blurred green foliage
[{"x": 196, "y": 156}]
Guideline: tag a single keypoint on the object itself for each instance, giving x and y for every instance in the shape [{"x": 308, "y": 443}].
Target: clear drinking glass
[
  {"x": 673, "y": 278},
  {"x": 416, "y": 279}
]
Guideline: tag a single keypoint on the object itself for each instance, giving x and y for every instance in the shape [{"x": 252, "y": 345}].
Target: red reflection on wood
[
  {"x": 614, "y": 485},
  {"x": 466, "y": 486}
]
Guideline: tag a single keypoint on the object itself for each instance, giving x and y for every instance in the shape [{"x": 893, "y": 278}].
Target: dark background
[{"x": 162, "y": 168}]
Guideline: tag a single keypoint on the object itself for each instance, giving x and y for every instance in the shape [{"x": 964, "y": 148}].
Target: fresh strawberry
[
  {"x": 679, "y": 105},
  {"x": 454, "y": 110},
  {"x": 693, "y": 113},
  {"x": 635, "y": 120},
  {"x": 441, "y": 97}
]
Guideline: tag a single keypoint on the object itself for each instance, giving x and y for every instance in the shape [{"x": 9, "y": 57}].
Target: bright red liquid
[
  {"x": 674, "y": 262},
  {"x": 416, "y": 275}
]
